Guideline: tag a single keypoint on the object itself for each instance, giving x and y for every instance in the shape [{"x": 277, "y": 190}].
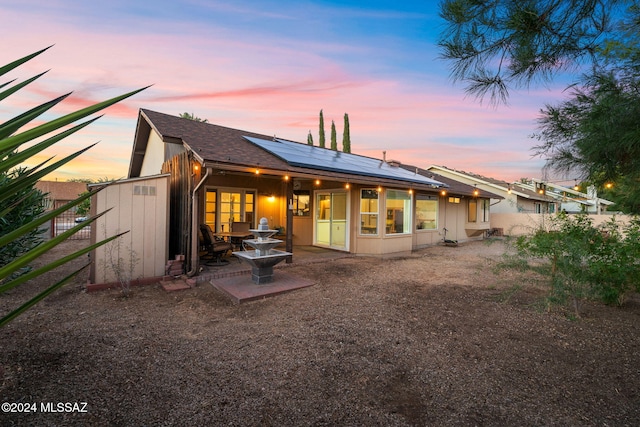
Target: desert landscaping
[{"x": 436, "y": 337}]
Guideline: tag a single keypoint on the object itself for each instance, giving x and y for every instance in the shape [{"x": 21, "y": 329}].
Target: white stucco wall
[{"x": 154, "y": 156}]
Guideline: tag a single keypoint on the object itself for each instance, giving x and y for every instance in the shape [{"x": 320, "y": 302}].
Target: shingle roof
[
  {"x": 214, "y": 143},
  {"x": 499, "y": 183},
  {"x": 221, "y": 145},
  {"x": 455, "y": 187}
]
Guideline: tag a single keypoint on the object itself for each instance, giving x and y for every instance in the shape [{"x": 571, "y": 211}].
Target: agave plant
[{"x": 11, "y": 157}]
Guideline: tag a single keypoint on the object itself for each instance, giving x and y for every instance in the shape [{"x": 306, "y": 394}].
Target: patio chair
[
  {"x": 239, "y": 227},
  {"x": 213, "y": 249}
]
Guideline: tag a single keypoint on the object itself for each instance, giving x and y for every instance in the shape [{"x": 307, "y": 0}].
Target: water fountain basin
[
  {"x": 262, "y": 246},
  {"x": 263, "y": 257},
  {"x": 261, "y": 264}
]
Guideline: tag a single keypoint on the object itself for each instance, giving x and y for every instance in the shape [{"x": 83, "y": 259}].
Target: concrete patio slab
[{"x": 240, "y": 288}]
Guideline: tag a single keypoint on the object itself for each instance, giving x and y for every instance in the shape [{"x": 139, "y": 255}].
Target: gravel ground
[{"x": 435, "y": 338}]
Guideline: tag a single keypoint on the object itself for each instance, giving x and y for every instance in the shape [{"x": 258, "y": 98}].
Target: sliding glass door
[{"x": 331, "y": 221}]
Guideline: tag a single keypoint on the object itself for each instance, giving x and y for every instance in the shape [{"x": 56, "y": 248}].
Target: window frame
[
  {"x": 391, "y": 214},
  {"x": 375, "y": 215},
  {"x": 431, "y": 199}
]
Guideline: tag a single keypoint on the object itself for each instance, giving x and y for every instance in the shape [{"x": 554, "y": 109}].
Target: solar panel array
[{"x": 312, "y": 157}]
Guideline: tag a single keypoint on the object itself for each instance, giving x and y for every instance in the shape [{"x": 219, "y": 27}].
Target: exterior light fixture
[
  {"x": 509, "y": 189},
  {"x": 347, "y": 185},
  {"x": 196, "y": 167},
  {"x": 272, "y": 198},
  {"x": 257, "y": 171},
  {"x": 608, "y": 185},
  {"x": 443, "y": 193},
  {"x": 379, "y": 189},
  {"x": 286, "y": 177},
  {"x": 317, "y": 182}
]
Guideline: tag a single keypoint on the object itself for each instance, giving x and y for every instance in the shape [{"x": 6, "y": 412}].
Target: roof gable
[{"x": 227, "y": 147}]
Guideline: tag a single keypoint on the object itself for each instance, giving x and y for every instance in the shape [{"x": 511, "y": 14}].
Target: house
[
  {"x": 570, "y": 200},
  {"x": 514, "y": 197},
  {"x": 525, "y": 204},
  {"x": 218, "y": 176},
  {"x": 58, "y": 194}
]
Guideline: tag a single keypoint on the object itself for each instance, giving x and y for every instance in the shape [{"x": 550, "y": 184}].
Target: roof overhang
[{"x": 312, "y": 160}]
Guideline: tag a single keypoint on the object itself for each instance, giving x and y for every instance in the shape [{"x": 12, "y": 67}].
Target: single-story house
[
  {"x": 185, "y": 173},
  {"x": 515, "y": 197}
]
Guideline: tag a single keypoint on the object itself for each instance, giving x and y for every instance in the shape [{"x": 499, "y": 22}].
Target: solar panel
[{"x": 312, "y": 157}]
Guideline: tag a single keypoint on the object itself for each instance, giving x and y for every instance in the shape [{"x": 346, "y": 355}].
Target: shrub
[{"x": 586, "y": 262}]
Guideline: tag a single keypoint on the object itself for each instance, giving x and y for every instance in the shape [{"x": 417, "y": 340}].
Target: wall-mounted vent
[{"x": 144, "y": 190}]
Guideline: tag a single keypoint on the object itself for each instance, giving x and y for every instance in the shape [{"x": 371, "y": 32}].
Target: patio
[{"x": 233, "y": 279}]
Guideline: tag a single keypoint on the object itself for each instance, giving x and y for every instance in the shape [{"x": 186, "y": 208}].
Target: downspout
[{"x": 195, "y": 256}]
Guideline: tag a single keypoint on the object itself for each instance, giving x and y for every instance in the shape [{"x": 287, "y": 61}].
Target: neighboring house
[
  {"x": 570, "y": 200},
  {"x": 525, "y": 205},
  {"x": 59, "y": 193},
  {"x": 316, "y": 196},
  {"x": 514, "y": 197}
]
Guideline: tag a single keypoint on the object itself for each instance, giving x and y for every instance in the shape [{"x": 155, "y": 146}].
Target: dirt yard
[{"x": 436, "y": 338}]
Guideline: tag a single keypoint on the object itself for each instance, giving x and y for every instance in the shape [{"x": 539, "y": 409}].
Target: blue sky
[{"x": 268, "y": 67}]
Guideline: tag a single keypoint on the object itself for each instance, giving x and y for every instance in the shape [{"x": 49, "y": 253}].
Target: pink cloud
[{"x": 268, "y": 85}]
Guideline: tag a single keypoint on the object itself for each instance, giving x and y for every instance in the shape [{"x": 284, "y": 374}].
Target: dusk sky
[{"x": 266, "y": 67}]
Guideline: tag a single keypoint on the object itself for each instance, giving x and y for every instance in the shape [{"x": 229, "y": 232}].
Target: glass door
[
  {"x": 223, "y": 207},
  {"x": 331, "y": 219},
  {"x": 230, "y": 209}
]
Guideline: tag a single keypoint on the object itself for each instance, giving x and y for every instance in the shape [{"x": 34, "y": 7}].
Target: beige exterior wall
[
  {"x": 507, "y": 205},
  {"x": 452, "y": 216},
  {"x": 154, "y": 156},
  {"x": 524, "y": 223},
  {"x": 141, "y": 207}
]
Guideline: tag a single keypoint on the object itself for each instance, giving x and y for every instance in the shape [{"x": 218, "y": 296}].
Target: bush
[{"x": 586, "y": 262}]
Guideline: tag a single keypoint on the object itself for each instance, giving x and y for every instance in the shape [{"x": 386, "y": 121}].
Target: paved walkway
[{"x": 234, "y": 278}]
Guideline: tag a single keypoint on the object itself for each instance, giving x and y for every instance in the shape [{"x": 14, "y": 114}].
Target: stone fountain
[{"x": 263, "y": 256}]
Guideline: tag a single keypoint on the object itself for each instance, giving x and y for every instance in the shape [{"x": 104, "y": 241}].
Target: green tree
[
  {"x": 509, "y": 43},
  {"x": 12, "y": 183},
  {"x": 334, "y": 137},
  {"x": 191, "y": 116},
  {"x": 346, "y": 135},
  {"x": 322, "y": 140},
  {"x": 596, "y": 134},
  {"x": 310, "y": 139},
  {"x": 495, "y": 45}
]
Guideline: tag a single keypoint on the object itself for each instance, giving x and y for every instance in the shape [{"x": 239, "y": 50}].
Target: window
[
  {"x": 222, "y": 208},
  {"x": 369, "y": 211},
  {"x": 485, "y": 209},
  {"x": 426, "y": 212},
  {"x": 398, "y": 209},
  {"x": 210, "y": 209},
  {"x": 473, "y": 210},
  {"x": 301, "y": 200}
]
